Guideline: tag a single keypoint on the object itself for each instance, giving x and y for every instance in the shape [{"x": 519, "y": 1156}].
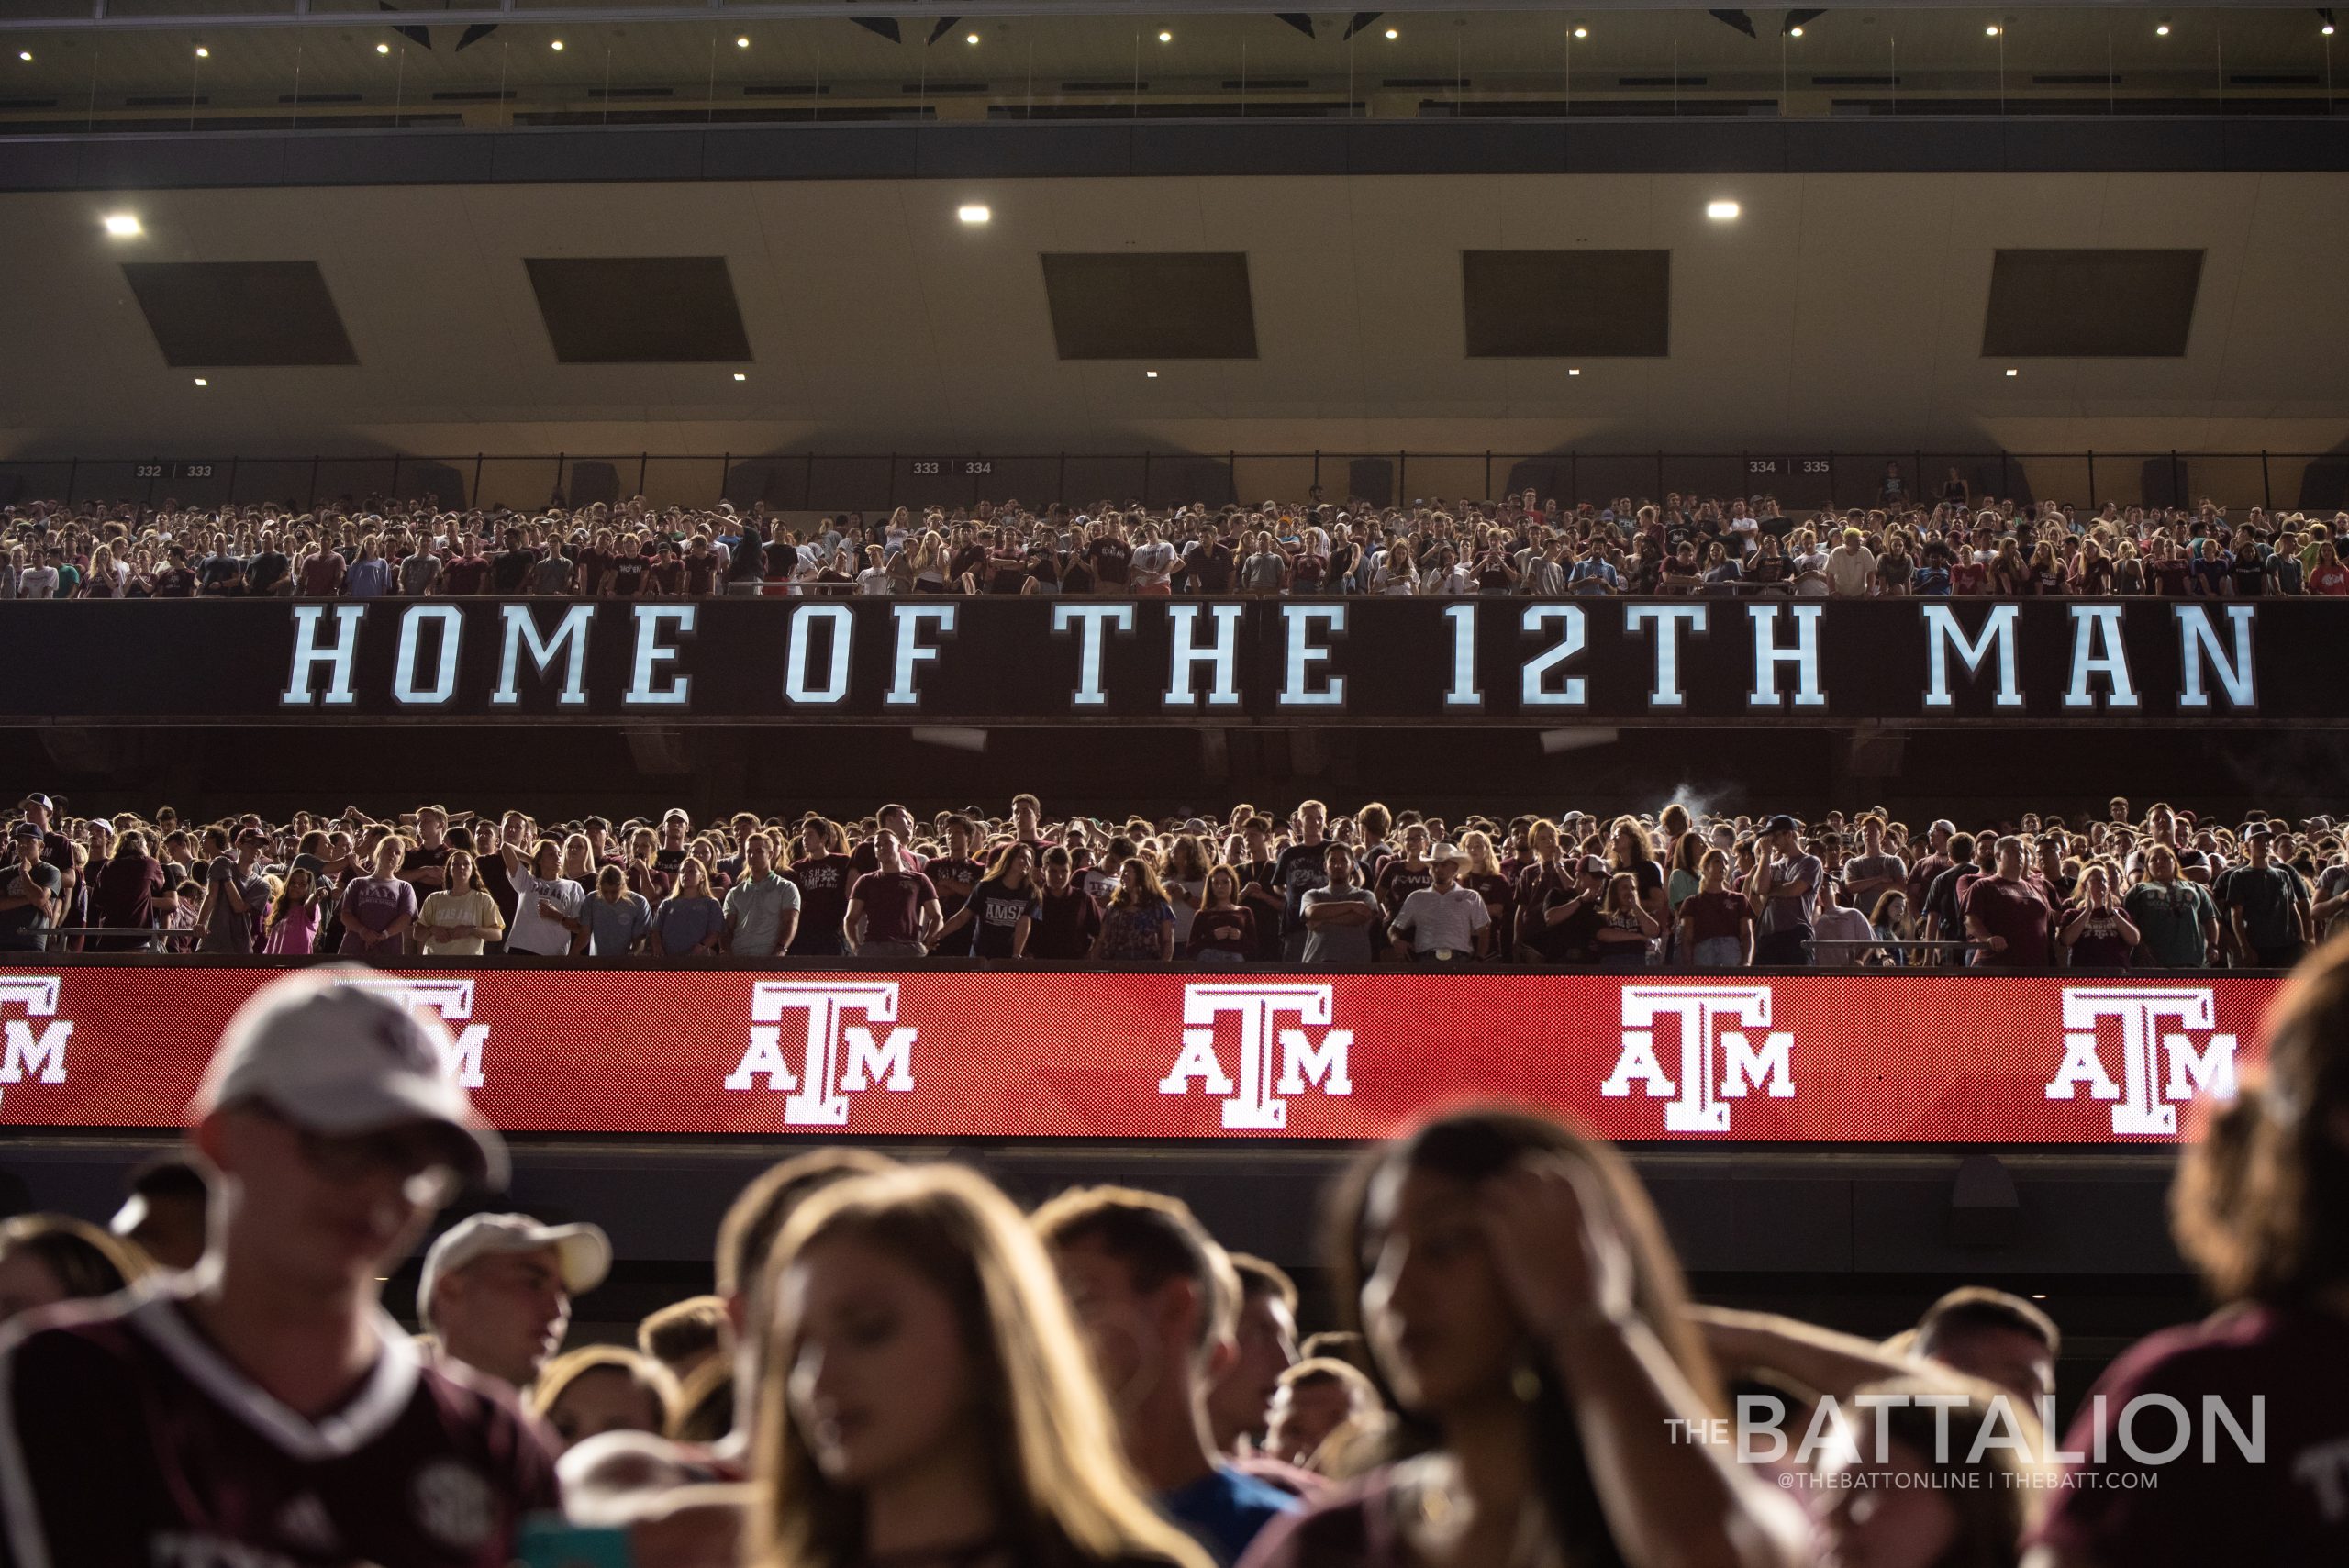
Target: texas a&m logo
[
  {"x": 1718, "y": 1063},
  {"x": 452, "y": 1002},
  {"x": 2148, "y": 1017},
  {"x": 1253, "y": 1097},
  {"x": 34, "y": 1049},
  {"x": 837, "y": 1058}
]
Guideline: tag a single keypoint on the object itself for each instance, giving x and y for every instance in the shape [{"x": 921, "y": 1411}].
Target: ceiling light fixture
[
  {"x": 1151, "y": 374},
  {"x": 2160, "y": 29},
  {"x": 27, "y": 54},
  {"x": 741, "y": 375},
  {"x": 742, "y": 43},
  {"x": 556, "y": 45},
  {"x": 1990, "y": 32},
  {"x": 201, "y": 382},
  {"x": 1794, "y": 32},
  {"x": 1573, "y": 370},
  {"x": 1721, "y": 212},
  {"x": 973, "y": 213},
  {"x": 383, "y": 48},
  {"x": 1582, "y": 32},
  {"x": 1392, "y": 34},
  {"x": 970, "y": 37},
  {"x": 2011, "y": 370},
  {"x": 202, "y": 53},
  {"x": 123, "y": 225},
  {"x": 1165, "y": 36}
]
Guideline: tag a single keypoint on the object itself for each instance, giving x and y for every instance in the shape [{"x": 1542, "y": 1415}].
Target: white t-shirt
[
  {"x": 533, "y": 932},
  {"x": 1151, "y": 564},
  {"x": 37, "y": 582}
]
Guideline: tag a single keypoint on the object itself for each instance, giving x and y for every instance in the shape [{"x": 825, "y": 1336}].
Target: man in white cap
[
  {"x": 264, "y": 1408},
  {"x": 498, "y": 1289},
  {"x": 1443, "y": 923}
]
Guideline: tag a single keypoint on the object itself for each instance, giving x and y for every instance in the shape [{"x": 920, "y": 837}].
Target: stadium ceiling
[{"x": 112, "y": 15}]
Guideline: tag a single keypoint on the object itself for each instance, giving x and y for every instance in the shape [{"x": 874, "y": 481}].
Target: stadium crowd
[
  {"x": 1707, "y": 888},
  {"x": 1521, "y": 544},
  {"x": 899, "y": 1369}
]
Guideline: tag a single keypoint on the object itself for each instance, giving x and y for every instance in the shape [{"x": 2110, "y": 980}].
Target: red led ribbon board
[{"x": 1682, "y": 1057}]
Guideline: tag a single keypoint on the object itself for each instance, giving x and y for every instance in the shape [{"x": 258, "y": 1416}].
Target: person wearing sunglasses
[{"x": 263, "y": 1406}]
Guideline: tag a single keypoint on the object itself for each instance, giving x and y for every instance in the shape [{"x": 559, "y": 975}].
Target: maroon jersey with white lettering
[
  {"x": 2281, "y": 1376},
  {"x": 129, "y": 1440}
]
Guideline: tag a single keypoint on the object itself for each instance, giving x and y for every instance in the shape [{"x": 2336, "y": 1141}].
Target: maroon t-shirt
[
  {"x": 893, "y": 901},
  {"x": 2290, "y": 1508},
  {"x": 1711, "y": 915},
  {"x": 127, "y": 1439},
  {"x": 465, "y": 575},
  {"x": 2015, "y": 910}
]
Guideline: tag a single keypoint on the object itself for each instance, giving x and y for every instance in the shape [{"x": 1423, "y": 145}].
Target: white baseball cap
[
  {"x": 583, "y": 1251},
  {"x": 337, "y": 1056}
]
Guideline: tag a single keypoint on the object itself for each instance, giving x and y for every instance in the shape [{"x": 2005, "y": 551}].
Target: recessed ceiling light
[
  {"x": 973, "y": 213},
  {"x": 970, "y": 37},
  {"x": 1582, "y": 32},
  {"x": 2160, "y": 29},
  {"x": 1720, "y": 211},
  {"x": 1152, "y": 374},
  {"x": 1573, "y": 370},
  {"x": 123, "y": 225},
  {"x": 1165, "y": 38},
  {"x": 2011, "y": 370},
  {"x": 1794, "y": 32},
  {"x": 742, "y": 43},
  {"x": 201, "y": 382},
  {"x": 27, "y": 54},
  {"x": 383, "y": 48},
  {"x": 202, "y": 53},
  {"x": 1991, "y": 31},
  {"x": 1392, "y": 34},
  {"x": 741, "y": 375},
  {"x": 556, "y": 45}
]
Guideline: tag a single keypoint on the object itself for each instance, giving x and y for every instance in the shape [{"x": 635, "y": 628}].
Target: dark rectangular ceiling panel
[
  {"x": 2090, "y": 304},
  {"x": 640, "y": 310},
  {"x": 1173, "y": 305},
  {"x": 208, "y": 314},
  {"x": 1538, "y": 305}
]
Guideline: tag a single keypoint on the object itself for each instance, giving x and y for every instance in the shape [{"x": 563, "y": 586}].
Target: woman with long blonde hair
[{"x": 927, "y": 1399}]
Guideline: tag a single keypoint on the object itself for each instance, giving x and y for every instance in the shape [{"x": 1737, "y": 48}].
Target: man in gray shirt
[
  {"x": 1445, "y": 923},
  {"x": 1784, "y": 894},
  {"x": 1340, "y": 915},
  {"x": 763, "y": 909},
  {"x": 1872, "y": 874}
]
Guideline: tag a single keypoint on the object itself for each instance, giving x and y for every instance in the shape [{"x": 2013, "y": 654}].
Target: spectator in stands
[
  {"x": 686, "y": 1336},
  {"x": 2095, "y": 932},
  {"x": 496, "y": 1291},
  {"x": 603, "y": 1389},
  {"x": 1784, "y": 892},
  {"x": 1849, "y": 929},
  {"x": 2257, "y": 1208},
  {"x": 49, "y": 1258},
  {"x": 617, "y": 919},
  {"x": 459, "y": 918},
  {"x": 123, "y": 892},
  {"x": 1443, "y": 922},
  {"x": 1157, "y": 1299},
  {"x": 320, "y": 1194},
  {"x": 294, "y": 915},
  {"x": 1265, "y": 1335},
  {"x": 1137, "y": 925},
  {"x": 763, "y": 907},
  {"x": 2007, "y": 912},
  {"x": 1068, "y": 922},
  {"x": 2268, "y": 905},
  {"x": 31, "y": 897},
  {"x": 2000, "y": 1339},
  {"x": 1522, "y": 1306},
  {"x": 377, "y": 910},
  {"x": 688, "y": 923},
  {"x": 893, "y": 910},
  {"x": 1316, "y": 1396},
  {"x": 977, "y": 1387},
  {"x": 164, "y": 1213},
  {"x": 1716, "y": 925},
  {"x": 235, "y": 896}
]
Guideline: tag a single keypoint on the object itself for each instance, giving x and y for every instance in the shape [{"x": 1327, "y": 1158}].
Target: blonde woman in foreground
[{"x": 926, "y": 1403}]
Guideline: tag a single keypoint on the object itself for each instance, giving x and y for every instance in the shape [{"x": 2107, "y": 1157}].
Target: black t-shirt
[
  {"x": 1212, "y": 568},
  {"x": 17, "y": 925},
  {"x": 942, "y": 873},
  {"x": 266, "y": 571},
  {"x": 1065, "y": 925},
  {"x": 512, "y": 569},
  {"x": 2249, "y": 573},
  {"x": 996, "y": 909},
  {"x": 1112, "y": 561},
  {"x": 1298, "y": 870}
]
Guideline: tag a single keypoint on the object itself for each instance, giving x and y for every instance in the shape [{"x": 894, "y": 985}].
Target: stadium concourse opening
[{"x": 1191, "y": 789}]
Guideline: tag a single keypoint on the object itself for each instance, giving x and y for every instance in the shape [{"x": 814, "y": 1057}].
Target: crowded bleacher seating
[
  {"x": 2171, "y": 888},
  {"x": 366, "y": 548}
]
